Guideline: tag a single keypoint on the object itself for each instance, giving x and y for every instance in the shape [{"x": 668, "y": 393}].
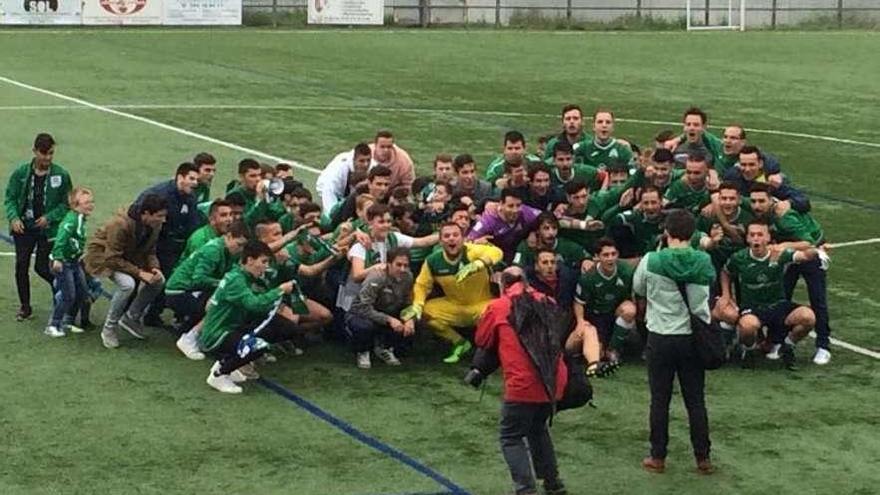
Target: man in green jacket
[
  {"x": 36, "y": 201},
  {"x": 240, "y": 322}
]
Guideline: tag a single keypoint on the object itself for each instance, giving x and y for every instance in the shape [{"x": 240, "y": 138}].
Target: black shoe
[
  {"x": 788, "y": 357},
  {"x": 24, "y": 313},
  {"x": 555, "y": 488}
]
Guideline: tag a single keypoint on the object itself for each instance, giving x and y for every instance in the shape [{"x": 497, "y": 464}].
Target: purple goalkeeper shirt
[{"x": 504, "y": 235}]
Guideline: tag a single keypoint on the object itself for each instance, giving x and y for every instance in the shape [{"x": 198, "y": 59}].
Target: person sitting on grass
[
  {"x": 374, "y": 321},
  {"x": 241, "y": 319},
  {"x": 70, "y": 280}
]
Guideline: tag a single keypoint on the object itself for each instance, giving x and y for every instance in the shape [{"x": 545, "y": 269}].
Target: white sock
[
  {"x": 629, "y": 325},
  {"x": 725, "y": 326}
]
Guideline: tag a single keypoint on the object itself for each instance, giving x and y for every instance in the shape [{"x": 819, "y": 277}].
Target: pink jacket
[{"x": 401, "y": 165}]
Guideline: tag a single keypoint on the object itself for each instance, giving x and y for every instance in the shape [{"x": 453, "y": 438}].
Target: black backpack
[{"x": 708, "y": 340}]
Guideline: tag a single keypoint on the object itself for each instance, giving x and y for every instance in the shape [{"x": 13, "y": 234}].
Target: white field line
[
  {"x": 344, "y": 108},
  {"x": 855, "y": 243},
  {"x": 851, "y": 347},
  {"x": 419, "y": 32},
  {"x": 160, "y": 125}
]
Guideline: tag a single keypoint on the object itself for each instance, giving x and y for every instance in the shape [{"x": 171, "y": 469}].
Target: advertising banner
[
  {"x": 203, "y": 12},
  {"x": 346, "y": 11},
  {"x": 122, "y": 12},
  {"x": 41, "y": 11}
]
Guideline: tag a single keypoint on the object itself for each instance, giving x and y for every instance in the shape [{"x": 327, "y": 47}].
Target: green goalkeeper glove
[
  {"x": 411, "y": 312},
  {"x": 468, "y": 270}
]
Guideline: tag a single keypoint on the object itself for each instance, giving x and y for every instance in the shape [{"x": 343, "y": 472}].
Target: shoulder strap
[{"x": 682, "y": 289}]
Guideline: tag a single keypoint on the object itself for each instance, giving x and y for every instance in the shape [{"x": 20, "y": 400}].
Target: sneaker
[
  {"x": 222, "y": 383},
  {"x": 73, "y": 329},
  {"x": 109, "y": 338},
  {"x": 188, "y": 345},
  {"x": 24, "y": 313},
  {"x": 237, "y": 376},
  {"x": 387, "y": 356},
  {"x": 704, "y": 466},
  {"x": 54, "y": 332},
  {"x": 268, "y": 358},
  {"x": 555, "y": 488},
  {"x": 249, "y": 371},
  {"x": 822, "y": 357},
  {"x": 363, "y": 360},
  {"x": 132, "y": 326},
  {"x": 654, "y": 465},
  {"x": 788, "y": 358},
  {"x": 773, "y": 355},
  {"x": 458, "y": 351}
]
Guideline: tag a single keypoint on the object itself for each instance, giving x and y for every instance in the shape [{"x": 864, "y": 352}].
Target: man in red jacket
[{"x": 529, "y": 394}]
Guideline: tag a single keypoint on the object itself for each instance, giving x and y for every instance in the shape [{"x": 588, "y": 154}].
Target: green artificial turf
[{"x": 76, "y": 418}]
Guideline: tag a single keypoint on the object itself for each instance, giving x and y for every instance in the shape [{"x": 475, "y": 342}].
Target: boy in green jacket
[
  {"x": 70, "y": 280},
  {"x": 36, "y": 201},
  {"x": 240, "y": 322}
]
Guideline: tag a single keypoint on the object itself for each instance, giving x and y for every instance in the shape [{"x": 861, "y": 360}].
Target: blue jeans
[
  {"x": 817, "y": 285},
  {"x": 71, "y": 291}
]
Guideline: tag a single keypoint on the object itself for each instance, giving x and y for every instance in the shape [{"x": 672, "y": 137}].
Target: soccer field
[{"x": 126, "y": 106}]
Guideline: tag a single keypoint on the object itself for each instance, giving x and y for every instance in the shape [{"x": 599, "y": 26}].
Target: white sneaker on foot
[
  {"x": 363, "y": 360},
  {"x": 223, "y": 383},
  {"x": 250, "y": 371},
  {"x": 237, "y": 377},
  {"x": 54, "y": 332},
  {"x": 387, "y": 356},
  {"x": 773, "y": 355},
  {"x": 822, "y": 357},
  {"x": 188, "y": 345},
  {"x": 73, "y": 329},
  {"x": 109, "y": 338}
]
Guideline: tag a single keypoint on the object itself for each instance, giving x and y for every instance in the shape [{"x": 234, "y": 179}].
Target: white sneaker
[
  {"x": 250, "y": 371},
  {"x": 237, "y": 377},
  {"x": 773, "y": 355},
  {"x": 387, "y": 356},
  {"x": 188, "y": 345},
  {"x": 822, "y": 357},
  {"x": 54, "y": 332},
  {"x": 73, "y": 329},
  {"x": 363, "y": 360},
  {"x": 109, "y": 338},
  {"x": 223, "y": 383}
]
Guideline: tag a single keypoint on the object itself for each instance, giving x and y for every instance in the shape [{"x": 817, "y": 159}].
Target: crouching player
[
  {"x": 241, "y": 319},
  {"x": 603, "y": 308},
  {"x": 758, "y": 271}
]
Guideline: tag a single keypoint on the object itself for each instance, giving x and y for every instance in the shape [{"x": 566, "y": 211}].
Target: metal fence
[{"x": 759, "y": 13}]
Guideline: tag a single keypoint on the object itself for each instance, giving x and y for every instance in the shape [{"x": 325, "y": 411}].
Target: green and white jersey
[
  {"x": 585, "y": 238},
  {"x": 727, "y": 246},
  {"x": 495, "y": 168},
  {"x": 601, "y": 293},
  {"x": 70, "y": 239},
  {"x": 203, "y": 269},
  {"x": 759, "y": 279},
  {"x": 680, "y": 194},
  {"x": 581, "y": 141},
  {"x": 197, "y": 239},
  {"x": 646, "y": 231},
  {"x": 584, "y": 173},
  {"x": 796, "y": 226},
  {"x": 568, "y": 253},
  {"x": 602, "y": 155}
]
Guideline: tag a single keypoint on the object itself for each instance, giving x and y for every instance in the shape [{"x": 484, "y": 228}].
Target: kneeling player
[
  {"x": 603, "y": 306},
  {"x": 758, "y": 271}
]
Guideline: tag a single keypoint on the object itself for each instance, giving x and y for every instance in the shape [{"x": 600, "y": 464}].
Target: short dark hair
[
  {"x": 696, "y": 111},
  {"x": 664, "y": 135},
  {"x": 458, "y": 206},
  {"x": 605, "y": 242},
  {"x": 758, "y": 222},
  {"x": 397, "y": 252},
  {"x": 248, "y": 164},
  {"x": 442, "y": 157},
  {"x": 509, "y": 192},
  {"x": 377, "y": 210},
  {"x": 399, "y": 211},
  {"x": 450, "y": 224},
  {"x": 302, "y": 192},
  {"x": 238, "y": 229},
  {"x": 696, "y": 156},
  {"x": 662, "y": 155},
  {"x": 562, "y": 146},
  {"x": 680, "y": 224},
  {"x": 362, "y": 149},
  {"x": 309, "y": 207},
  {"x": 286, "y": 167},
  {"x": 509, "y": 167},
  {"x": 542, "y": 250},
  {"x": 236, "y": 198},
  {"x": 204, "y": 159},
  {"x": 749, "y": 149},
  {"x": 760, "y": 187},
  {"x": 443, "y": 183},
  {"x": 462, "y": 160},
  {"x": 742, "y": 130},
  {"x": 514, "y": 137},
  {"x": 570, "y": 107},
  {"x": 651, "y": 189},
  {"x": 575, "y": 187},
  {"x": 603, "y": 110},
  {"x": 378, "y": 171},
  {"x": 255, "y": 249},
  {"x": 217, "y": 204},
  {"x": 536, "y": 168},
  {"x": 618, "y": 167},
  {"x": 546, "y": 217},
  {"x": 44, "y": 142},
  {"x": 152, "y": 203},
  {"x": 186, "y": 168},
  {"x": 728, "y": 185},
  {"x": 384, "y": 133}
]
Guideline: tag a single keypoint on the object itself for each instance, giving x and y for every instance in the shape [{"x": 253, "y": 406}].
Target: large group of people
[{"x": 601, "y": 227}]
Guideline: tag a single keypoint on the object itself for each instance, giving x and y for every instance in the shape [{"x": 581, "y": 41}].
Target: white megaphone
[{"x": 273, "y": 189}]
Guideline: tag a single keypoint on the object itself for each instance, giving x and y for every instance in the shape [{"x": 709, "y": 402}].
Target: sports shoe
[
  {"x": 363, "y": 360},
  {"x": 73, "y": 329},
  {"x": 268, "y": 358},
  {"x": 774, "y": 355},
  {"x": 109, "y": 338},
  {"x": 249, "y": 371},
  {"x": 822, "y": 357},
  {"x": 555, "y": 488},
  {"x": 386, "y": 355},
  {"x": 704, "y": 466},
  {"x": 788, "y": 358},
  {"x": 54, "y": 332},
  {"x": 237, "y": 376},
  {"x": 132, "y": 326},
  {"x": 654, "y": 465},
  {"x": 188, "y": 345},
  {"x": 458, "y": 351},
  {"x": 222, "y": 382},
  {"x": 24, "y": 313}
]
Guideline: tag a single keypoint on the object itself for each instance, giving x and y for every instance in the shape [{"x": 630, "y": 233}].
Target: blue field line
[{"x": 365, "y": 439}]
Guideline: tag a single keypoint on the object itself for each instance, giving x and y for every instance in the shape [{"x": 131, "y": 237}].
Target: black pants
[
  {"x": 232, "y": 356},
  {"x": 668, "y": 356},
  {"x": 521, "y": 420},
  {"x": 364, "y": 334},
  {"x": 25, "y": 244},
  {"x": 167, "y": 260},
  {"x": 188, "y": 307},
  {"x": 817, "y": 289}
]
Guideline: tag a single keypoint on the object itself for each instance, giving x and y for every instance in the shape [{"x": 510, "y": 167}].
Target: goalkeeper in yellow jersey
[{"x": 462, "y": 273}]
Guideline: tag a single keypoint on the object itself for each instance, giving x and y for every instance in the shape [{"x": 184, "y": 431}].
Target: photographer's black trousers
[
  {"x": 523, "y": 420},
  {"x": 668, "y": 356}
]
